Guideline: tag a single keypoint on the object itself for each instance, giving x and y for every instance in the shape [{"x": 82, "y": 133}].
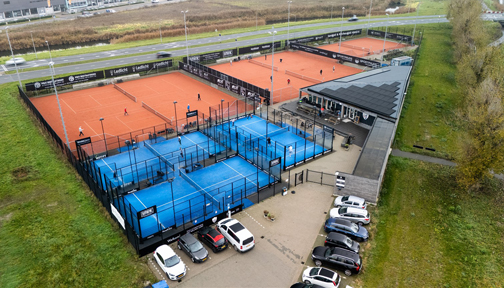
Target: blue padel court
[
  {"x": 195, "y": 196},
  {"x": 288, "y": 142}
]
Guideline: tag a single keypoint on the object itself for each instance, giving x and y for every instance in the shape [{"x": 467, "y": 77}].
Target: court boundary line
[
  {"x": 145, "y": 207},
  {"x": 196, "y": 144},
  {"x": 241, "y": 174}
]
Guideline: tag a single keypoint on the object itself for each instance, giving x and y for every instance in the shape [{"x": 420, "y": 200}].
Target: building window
[{"x": 6, "y": 2}]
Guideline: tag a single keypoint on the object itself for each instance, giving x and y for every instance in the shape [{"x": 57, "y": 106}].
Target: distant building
[{"x": 26, "y": 8}]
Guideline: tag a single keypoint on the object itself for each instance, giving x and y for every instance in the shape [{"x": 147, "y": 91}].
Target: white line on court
[
  {"x": 134, "y": 194},
  {"x": 195, "y": 143},
  {"x": 239, "y": 173}
]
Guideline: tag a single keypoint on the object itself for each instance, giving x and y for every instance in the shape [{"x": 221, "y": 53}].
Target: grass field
[
  {"x": 53, "y": 231},
  {"x": 430, "y": 234}
]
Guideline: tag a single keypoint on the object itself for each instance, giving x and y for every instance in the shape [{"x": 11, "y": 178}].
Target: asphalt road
[{"x": 210, "y": 44}]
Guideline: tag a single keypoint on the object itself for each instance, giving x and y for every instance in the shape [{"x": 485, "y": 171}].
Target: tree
[
  {"x": 475, "y": 67},
  {"x": 482, "y": 151}
]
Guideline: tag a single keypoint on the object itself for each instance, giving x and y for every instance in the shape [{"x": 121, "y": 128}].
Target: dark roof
[
  {"x": 375, "y": 151},
  {"x": 326, "y": 272},
  {"x": 379, "y": 91}
]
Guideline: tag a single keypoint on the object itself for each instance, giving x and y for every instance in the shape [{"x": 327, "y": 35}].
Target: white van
[
  {"x": 237, "y": 235},
  {"x": 154, "y": 1}
]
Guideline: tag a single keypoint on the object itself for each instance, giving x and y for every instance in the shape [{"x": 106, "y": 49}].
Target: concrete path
[{"x": 399, "y": 153}]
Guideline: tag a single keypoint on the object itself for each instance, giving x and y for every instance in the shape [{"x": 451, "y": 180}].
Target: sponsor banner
[
  {"x": 191, "y": 114},
  {"x": 68, "y": 80},
  {"x": 275, "y": 161},
  {"x": 146, "y": 212},
  {"x": 335, "y": 55},
  {"x": 211, "y": 56},
  {"x": 392, "y": 36},
  {"x": 110, "y": 73},
  {"x": 257, "y": 48},
  {"x": 83, "y": 141},
  {"x": 325, "y": 36}
]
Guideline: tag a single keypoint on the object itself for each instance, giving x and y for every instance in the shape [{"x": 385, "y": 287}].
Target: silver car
[
  {"x": 350, "y": 201},
  {"x": 17, "y": 61},
  {"x": 355, "y": 215}
]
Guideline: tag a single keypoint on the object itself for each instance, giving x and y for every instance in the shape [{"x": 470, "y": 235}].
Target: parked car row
[
  {"x": 228, "y": 232},
  {"x": 340, "y": 250}
]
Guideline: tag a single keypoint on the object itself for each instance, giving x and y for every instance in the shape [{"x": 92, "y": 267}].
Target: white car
[
  {"x": 322, "y": 277},
  {"x": 169, "y": 262},
  {"x": 16, "y": 61},
  {"x": 237, "y": 235},
  {"x": 350, "y": 201},
  {"x": 356, "y": 215}
]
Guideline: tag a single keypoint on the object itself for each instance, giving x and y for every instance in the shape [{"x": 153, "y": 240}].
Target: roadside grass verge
[
  {"x": 52, "y": 229},
  {"x": 431, "y": 234}
]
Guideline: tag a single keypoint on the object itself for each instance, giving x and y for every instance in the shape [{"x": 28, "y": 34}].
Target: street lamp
[
  {"x": 13, "y": 59},
  {"x": 288, "y": 21},
  {"x": 36, "y": 56},
  {"x": 332, "y": 5},
  {"x": 369, "y": 17},
  {"x": 272, "y": 33},
  {"x": 185, "y": 29},
  {"x": 51, "y": 64},
  {"x": 160, "y": 35},
  {"x": 176, "y": 123},
  {"x": 103, "y": 131},
  {"x": 48, "y": 48},
  {"x": 414, "y": 28},
  {"x": 385, "y": 39},
  {"x": 341, "y": 29}
]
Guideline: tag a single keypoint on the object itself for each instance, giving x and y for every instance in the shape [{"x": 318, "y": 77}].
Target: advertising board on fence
[
  {"x": 393, "y": 36},
  {"x": 335, "y": 55},
  {"x": 325, "y": 36},
  {"x": 68, "y": 80},
  {"x": 137, "y": 68},
  {"x": 257, "y": 48},
  {"x": 211, "y": 56}
]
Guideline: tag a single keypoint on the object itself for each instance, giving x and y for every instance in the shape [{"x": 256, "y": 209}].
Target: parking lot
[{"x": 282, "y": 246}]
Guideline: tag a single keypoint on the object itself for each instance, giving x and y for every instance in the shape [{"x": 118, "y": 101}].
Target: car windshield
[
  {"x": 172, "y": 261},
  {"x": 327, "y": 253},
  {"x": 314, "y": 271},
  {"x": 349, "y": 242},
  {"x": 342, "y": 210},
  {"x": 354, "y": 227},
  {"x": 196, "y": 246},
  {"x": 345, "y": 198}
]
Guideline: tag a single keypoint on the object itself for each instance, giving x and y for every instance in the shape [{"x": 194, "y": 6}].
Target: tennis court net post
[
  {"x": 201, "y": 190},
  {"x": 303, "y": 77},
  {"x": 125, "y": 92}
]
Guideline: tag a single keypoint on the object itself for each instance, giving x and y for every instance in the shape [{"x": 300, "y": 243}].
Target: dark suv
[
  {"x": 193, "y": 248},
  {"x": 341, "y": 259},
  {"x": 335, "y": 239},
  {"x": 163, "y": 54},
  {"x": 347, "y": 228},
  {"x": 212, "y": 238}
]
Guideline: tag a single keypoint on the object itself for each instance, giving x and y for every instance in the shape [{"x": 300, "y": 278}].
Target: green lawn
[
  {"x": 53, "y": 231},
  {"x": 430, "y": 234}
]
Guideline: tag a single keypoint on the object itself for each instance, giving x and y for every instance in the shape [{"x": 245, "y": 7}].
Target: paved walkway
[{"x": 399, "y": 153}]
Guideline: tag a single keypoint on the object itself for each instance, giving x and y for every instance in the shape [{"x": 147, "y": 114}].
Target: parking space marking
[
  {"x": 254, "y": 220},
  {"x": 4, "y": 68},
  {"x": 156, "y": 267}
]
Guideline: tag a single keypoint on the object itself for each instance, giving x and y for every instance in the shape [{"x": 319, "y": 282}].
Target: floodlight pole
[
  {"x": 288, "y": 21},
  {"x": 160, "y": 35},
  {"x": 13, "y": 59},
  {"x": 385, "y": 39},
  {"x": 51, "y": 64},
  {"x": 341, "y": 29},
  {"x": 176, "y": 124},
  {"x": 185, "y": 29},
  {"x": 272, "y": 33},
  {"x": 50, "y": 55},
  {"x": 369, "y": 17},
  {"x": 414, "y": 28},
  {"x": 104, "y": 138},
  {"x": 36, "y": 56}
]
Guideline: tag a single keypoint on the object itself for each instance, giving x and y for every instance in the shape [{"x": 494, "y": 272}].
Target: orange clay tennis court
[
  {"x": 298, "y": 62},
  {"x": 84, "y": 108},
  {"x": 363, "y": 46}
]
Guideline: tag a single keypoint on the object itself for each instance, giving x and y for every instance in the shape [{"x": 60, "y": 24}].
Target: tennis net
[
  {"x": 201, "y": 190},
  {"x": 297, "y": 75},
  {"x": 125, "y": 92},
  {"x": 152, "y": 110},
  {"x": 270, "y": 133},
  {"x": 262, "y": 64},
  {"x": 354, "y": 47},
  {"x": 155, "y": 152}
]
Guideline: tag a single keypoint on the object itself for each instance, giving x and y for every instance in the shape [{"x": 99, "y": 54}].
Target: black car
[
  {"x": 163, "y": 54},
  {"x": 335, "y": 239},
  {"x": 341, "y": 259},
  {"x": 213, "y": 239},
  {"x": 193, "y": 248},
  {"x": 347, "y": 228},
  {"x": 303, "y": 285}
]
